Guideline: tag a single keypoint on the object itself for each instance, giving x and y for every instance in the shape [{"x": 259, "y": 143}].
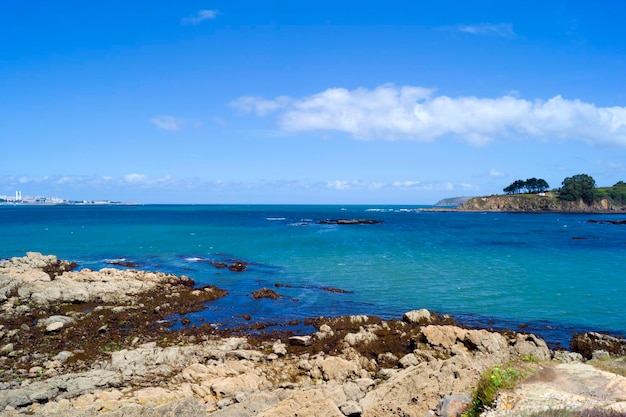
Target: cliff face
[{"x": 538, "y": 203}]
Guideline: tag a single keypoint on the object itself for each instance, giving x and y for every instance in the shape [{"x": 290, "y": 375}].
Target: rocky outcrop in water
[{"x": 61, "y": 359}]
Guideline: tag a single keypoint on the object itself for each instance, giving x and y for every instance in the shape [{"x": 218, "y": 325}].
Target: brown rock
[
  {"x": 587, "y": 343},
  {"x": 266, "y": 293}
]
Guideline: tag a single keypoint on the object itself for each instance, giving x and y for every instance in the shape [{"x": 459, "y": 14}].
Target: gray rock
[
  {"x": 422, "y": 316},
  {"x": 567, "y": 357},
  {"x": 54, "y": 319},
  {"x": 351, "y": 409},
  {"x": 279, "y": 348},
  {"x": 300, "y": 340},
  {"x": 353, "y": 391},
  {"x": 600, "y": 354},
  {"x": 6, "y": 349},
  {"x": 409, "y": 360},
  {"x": 54, "y": 327},
  {"x": 63, "y": 356}
]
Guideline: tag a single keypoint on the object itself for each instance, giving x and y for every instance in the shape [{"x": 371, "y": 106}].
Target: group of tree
[
  {"x": 577, "y": 187},
  {"x": 574, "y": 188},
  {"x": 531, "y": 185}
]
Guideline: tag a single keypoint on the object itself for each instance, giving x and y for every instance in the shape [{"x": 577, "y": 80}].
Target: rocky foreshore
[{"x": 98, "y": 343}]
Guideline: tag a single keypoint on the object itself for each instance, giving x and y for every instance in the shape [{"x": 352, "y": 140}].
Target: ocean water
[{"x": 552, "y": 274}]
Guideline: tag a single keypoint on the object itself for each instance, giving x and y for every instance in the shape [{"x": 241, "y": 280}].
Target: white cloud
[
  {"x": 495, "y": 173},
  {"x": 200, "y": 17},
  {"x": 259, "y": 105},
  {"x": 500, "y": 29},
  {"x": 170, "y": 123},
  {"x": 135, "y": 178},
  {"x": 406, "y": 184},
  {"x": 416, "y": 113}
]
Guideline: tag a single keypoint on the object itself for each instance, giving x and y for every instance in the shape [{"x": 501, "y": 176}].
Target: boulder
[
  {"x": 54, "y": 327},
  {"x": 587, "y": 343},
  {"x": 338, "y": 369},
  {"x": 422, "y": 316},
  {"x": 266, "y": 293}
]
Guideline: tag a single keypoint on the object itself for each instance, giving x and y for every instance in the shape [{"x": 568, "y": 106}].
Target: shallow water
[{"x": 554, "y": 273}]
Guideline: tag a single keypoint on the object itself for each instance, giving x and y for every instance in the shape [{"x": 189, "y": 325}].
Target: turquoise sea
[{"x": 551, "y": 274}]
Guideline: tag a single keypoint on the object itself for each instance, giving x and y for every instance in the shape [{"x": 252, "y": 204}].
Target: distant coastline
[{"x": 19, "y": 200}]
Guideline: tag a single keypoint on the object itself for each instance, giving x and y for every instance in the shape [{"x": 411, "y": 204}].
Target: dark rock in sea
[
  {"x": 349, "y": 221},
  {"x": 185, "y": 321},
  {"x": 122, "y": 262},
  {"x": 579, "y": 238},
  {"x": 266, "y": 293},
  {"x": 219, "y": 265},
  {"x": 587, "y": 343},
  {"x": 337, "y": 290},
  {"x": 238, "y": 266},
  {"x": 607, "y": 221}
]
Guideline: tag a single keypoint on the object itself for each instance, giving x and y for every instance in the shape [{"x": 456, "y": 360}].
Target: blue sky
[{"x": 395, "y": 102}]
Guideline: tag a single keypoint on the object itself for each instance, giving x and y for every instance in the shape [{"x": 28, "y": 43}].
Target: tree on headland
[
  {"x": 515, "y": 188},
  {"x": 531, "y": 185},
  {"x": 581, "y": 186}
]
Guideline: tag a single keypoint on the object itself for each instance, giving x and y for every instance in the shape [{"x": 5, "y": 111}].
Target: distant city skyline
[
  {"x": 308, "y": 102},
  {"x": 18, "y": 198}
]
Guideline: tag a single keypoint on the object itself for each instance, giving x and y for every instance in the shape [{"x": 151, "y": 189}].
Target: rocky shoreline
[{"x": 87, "y": 343}]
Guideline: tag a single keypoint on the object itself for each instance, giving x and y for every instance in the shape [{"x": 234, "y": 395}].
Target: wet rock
[
  {"x": 122, "y": 262},
  {"x": 238, "y": 266},
  {"x": 587, "y": 343},
  {"x": 335, "y": 290},
  {"x": 349, "y": 221},
  {"x": 266, "y": 293}
]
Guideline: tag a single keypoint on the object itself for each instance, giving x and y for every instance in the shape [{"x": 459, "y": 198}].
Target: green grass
[{"x": 490, "y": 383}]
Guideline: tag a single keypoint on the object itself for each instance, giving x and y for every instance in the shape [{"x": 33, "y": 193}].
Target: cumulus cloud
[
  {"x": 500, "y": 29},
  {"x": 170, "y": 123},
  {"x": 417, "y": 113},
  {"x": 200, "y": 17}
]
